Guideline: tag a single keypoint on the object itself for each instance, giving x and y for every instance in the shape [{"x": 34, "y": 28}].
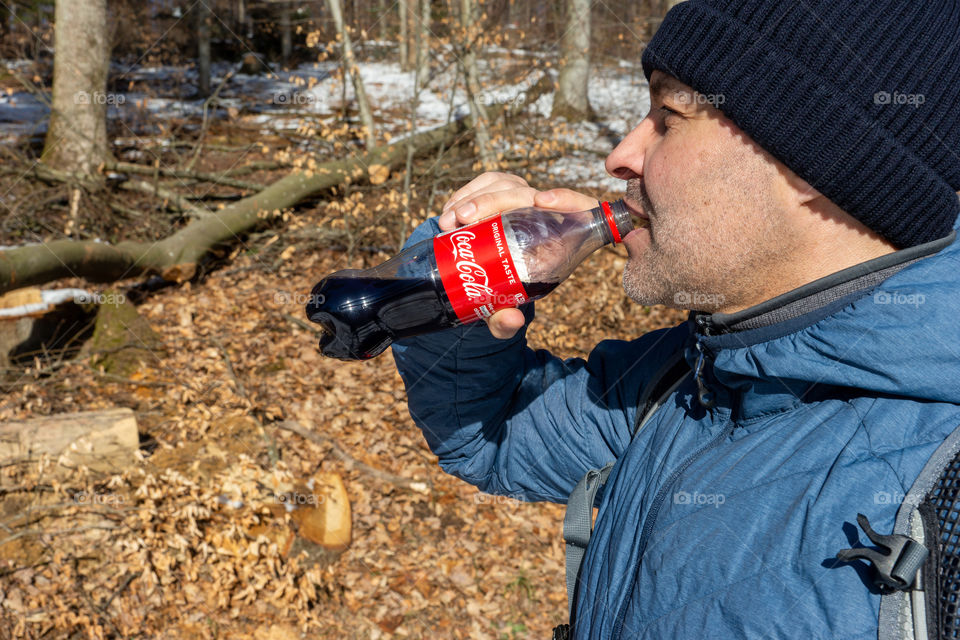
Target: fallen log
[
  {"x": 103, "y": 440},
  {"x": 177, "y": 256}
]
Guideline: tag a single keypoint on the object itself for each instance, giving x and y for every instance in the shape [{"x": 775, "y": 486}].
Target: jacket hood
[{"x": 900, "y": 338}]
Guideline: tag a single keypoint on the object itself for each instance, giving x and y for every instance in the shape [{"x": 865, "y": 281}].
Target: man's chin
[{"x": 637, "y": 284}]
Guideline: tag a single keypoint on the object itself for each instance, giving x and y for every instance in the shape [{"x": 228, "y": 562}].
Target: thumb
[
  {"x": 505, "y": 323},
  {"x": 564, "y": 200}
]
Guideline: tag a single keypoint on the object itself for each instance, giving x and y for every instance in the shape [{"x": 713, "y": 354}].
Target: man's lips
[{"x": 637, "y": 216}]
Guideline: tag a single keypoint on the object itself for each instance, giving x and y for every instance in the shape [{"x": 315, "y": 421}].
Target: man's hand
[{"x": 491, "y": 193}]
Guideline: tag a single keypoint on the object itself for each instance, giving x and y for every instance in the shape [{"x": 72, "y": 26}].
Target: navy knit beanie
[{"x": 860, "y": 98}]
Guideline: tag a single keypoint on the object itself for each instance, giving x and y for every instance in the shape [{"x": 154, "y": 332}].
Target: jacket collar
[
  {"x": 817, "y": 294},
  {"x": 736, "y": 348}
]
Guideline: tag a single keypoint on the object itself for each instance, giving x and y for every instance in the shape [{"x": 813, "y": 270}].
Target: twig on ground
[
  {"x": 173, "y": 200},
  {"x": 241, "y": 391},
  {"x": 268, "y": 439},
  {"x": 56, "y": 532},
  {"x": 350, "y": 462},
  {"x": 302, "y": 324},
  {"x": 203, "y": 176},
  {"x": 120, "y": 589}
]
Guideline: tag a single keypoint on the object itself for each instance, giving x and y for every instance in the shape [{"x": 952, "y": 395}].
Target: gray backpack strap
[
  {"x": 916, "y": 614},
  {"x": 578, "y": 524}
]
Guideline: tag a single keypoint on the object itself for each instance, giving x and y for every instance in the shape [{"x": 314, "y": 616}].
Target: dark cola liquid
[{"x": 361, "y": 316}]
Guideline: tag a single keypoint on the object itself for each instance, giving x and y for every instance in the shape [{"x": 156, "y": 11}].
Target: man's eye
[{"x": 667, "y": 111}]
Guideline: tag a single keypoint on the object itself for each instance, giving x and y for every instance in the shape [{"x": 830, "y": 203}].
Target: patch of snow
[
  {"x": 286, "y": 100},
  {"x": 620, "y": 101}
]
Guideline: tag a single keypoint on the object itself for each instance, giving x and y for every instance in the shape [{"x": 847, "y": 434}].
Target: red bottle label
[{"x": 477, "y": 270}]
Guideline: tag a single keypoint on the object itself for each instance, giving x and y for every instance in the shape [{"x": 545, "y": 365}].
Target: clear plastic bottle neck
[{"x": 613, "y": 220}]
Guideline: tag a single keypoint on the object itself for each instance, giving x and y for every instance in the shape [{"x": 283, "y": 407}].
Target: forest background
[{"x": 176, "y": 458}]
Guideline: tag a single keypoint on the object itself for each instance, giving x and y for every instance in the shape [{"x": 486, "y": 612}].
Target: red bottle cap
[{"x": 613, "y": 224}]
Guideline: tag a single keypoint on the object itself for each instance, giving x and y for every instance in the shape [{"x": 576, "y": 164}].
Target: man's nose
[{"x": 625, "y": 162}]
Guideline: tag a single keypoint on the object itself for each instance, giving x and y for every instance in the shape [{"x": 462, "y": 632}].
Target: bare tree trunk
[
  {"x": 76, "y": 140},
  {"x": 468, "y": 60},
  {"x": 423, "y": 44},
  {"x": 203, "y": 47},
  {"x": 403, "y": 6},
  {"x": 382, "y": 23},
  {"x": 571, "y": 101},
  {"x": 286, "y": 32},
  {"x": 350, "y": 68},
  {"x": 245, "y": 19},
  {"x": 413, "y": 32}
]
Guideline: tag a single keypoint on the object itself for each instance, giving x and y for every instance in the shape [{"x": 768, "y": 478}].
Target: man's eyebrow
[{"x": 661, "y": 85}]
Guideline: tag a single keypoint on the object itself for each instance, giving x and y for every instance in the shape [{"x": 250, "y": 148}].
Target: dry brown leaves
[{"x": 189, "y": 542}]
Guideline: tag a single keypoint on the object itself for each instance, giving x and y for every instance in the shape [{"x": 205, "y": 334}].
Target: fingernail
[
  {"x": 548, "y": 197},
  {"x": 467, "y": 211}
]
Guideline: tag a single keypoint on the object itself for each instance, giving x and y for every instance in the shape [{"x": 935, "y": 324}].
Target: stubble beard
[
  {"x": 647, "y": 277},
  {"x": 722, "y": 265}
]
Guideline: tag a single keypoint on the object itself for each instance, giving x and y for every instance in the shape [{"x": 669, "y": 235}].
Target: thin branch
[
  {"x": 203, "y": 127},
  {"x": 177, "y": 201},
  {"x": 224, "y": 179},
  {"x": 302, "y": 324},
  {"x": 349, "y": 461},
  {"x": 241, "y": 391}
]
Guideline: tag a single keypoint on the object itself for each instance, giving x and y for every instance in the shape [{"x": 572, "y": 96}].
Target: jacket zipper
[
  {"x": 651, "y": 518},
  {"x": 704, "y": 396}
]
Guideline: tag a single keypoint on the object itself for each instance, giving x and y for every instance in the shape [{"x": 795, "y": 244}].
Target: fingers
[
  {"x": 486, "y": 204},
  {"x": 483, "y": 181},
  {"x": 505, "y": 323},
  {"x": 564, "y": 200},
  {"x": 484, "y": 196}
]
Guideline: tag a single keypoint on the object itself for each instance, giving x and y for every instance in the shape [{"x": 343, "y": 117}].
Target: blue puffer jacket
[{"x": 720, "y": 523}]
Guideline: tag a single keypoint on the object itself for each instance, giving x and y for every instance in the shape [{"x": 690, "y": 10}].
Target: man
[{"x": 799, "y": 169}]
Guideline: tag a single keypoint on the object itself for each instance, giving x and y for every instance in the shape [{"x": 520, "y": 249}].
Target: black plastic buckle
[
  {"x": 561, "y": 632},
  {"x": 896, "y": 564}
]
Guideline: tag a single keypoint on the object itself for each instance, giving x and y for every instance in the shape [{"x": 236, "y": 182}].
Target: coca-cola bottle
[{"x": 458, "y": 277}]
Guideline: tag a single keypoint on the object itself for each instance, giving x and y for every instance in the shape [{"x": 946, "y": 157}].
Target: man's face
[{"x": 717, "y": 205}]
